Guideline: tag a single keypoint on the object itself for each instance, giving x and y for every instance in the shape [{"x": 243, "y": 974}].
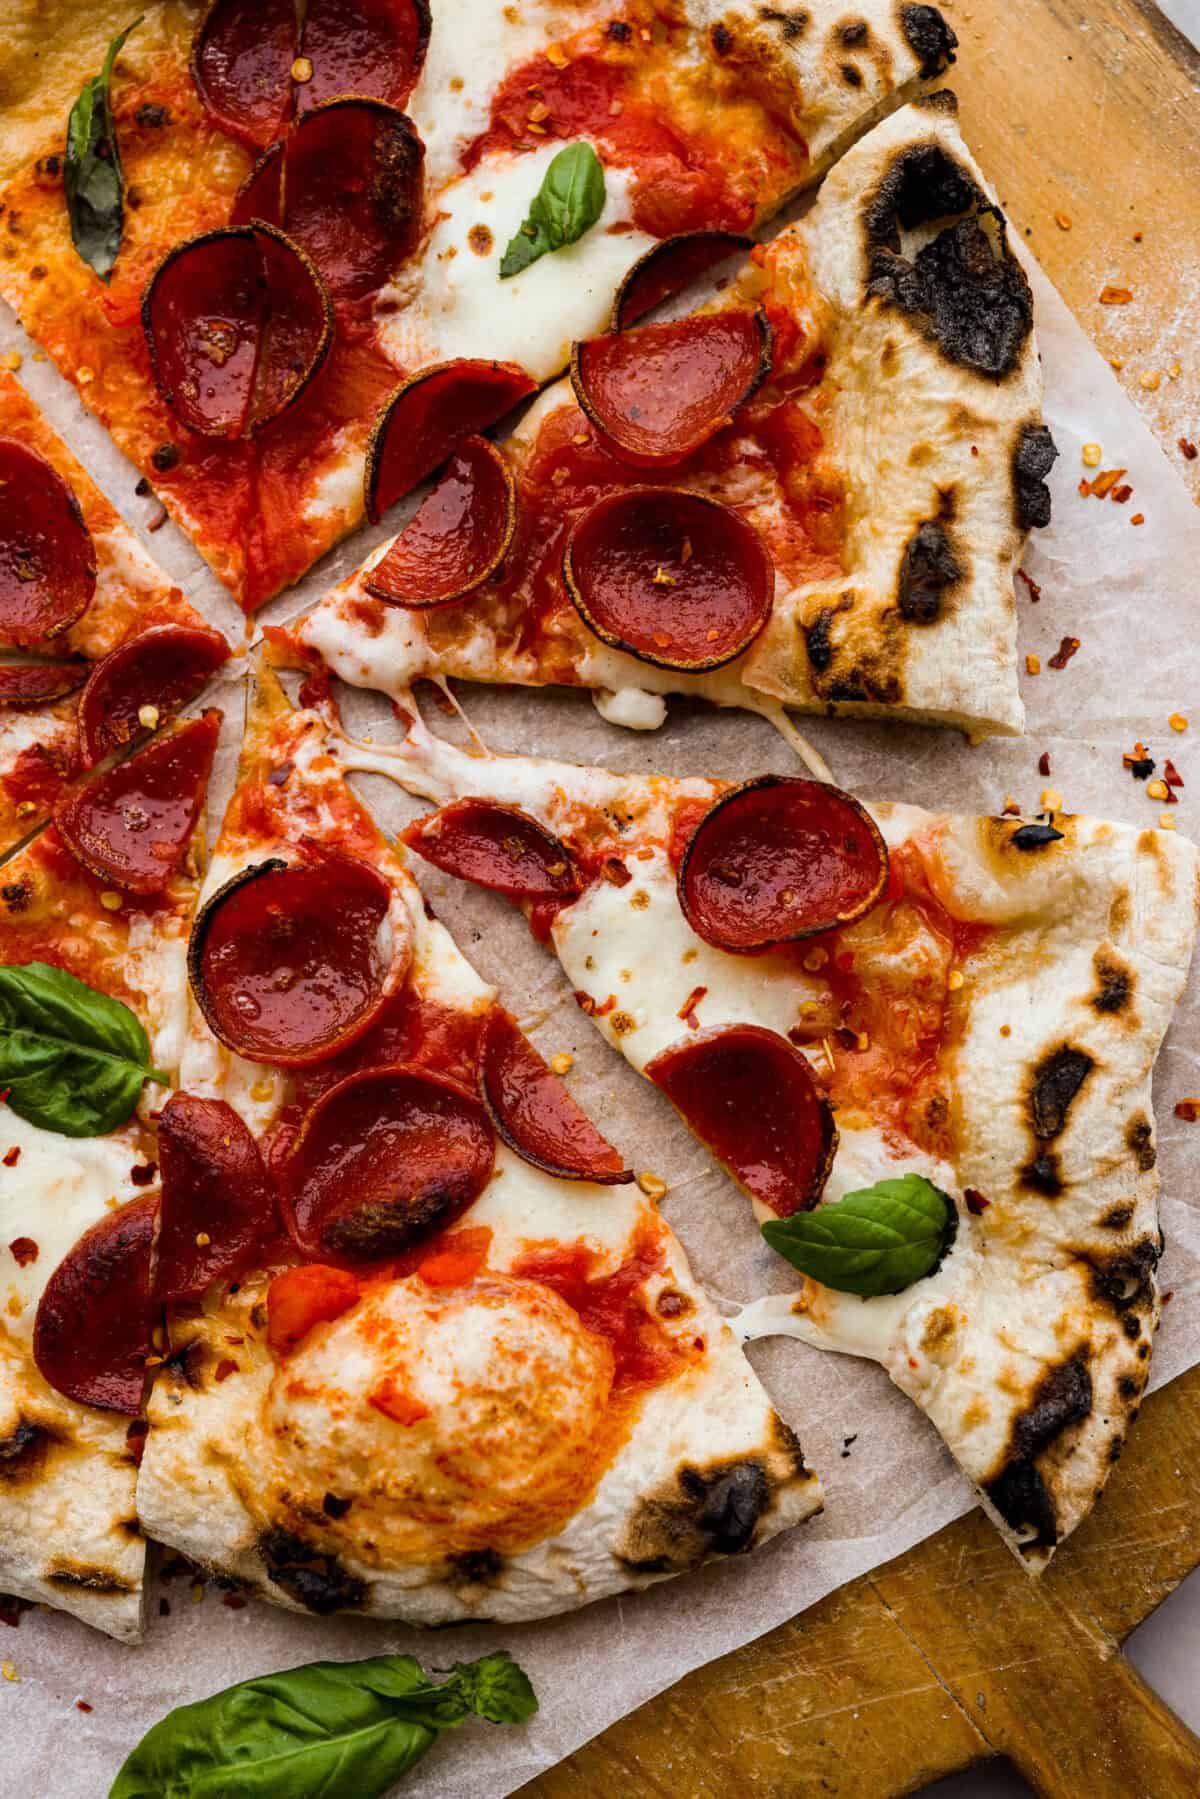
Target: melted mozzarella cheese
[
  {"x": 389, "y": 659},
  {"x": 453, "y": 302}
]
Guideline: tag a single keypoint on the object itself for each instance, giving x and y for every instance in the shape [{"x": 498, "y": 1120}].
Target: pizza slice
[
  {"x": 93, "y": 943},
  {"x": 270, "y": 243},
  {"x": 434, "y": 1355},
  {"x": 813, "y": 493},
  {"x": 921, "y": 1042},
  {"x": 102, "y": 646}
]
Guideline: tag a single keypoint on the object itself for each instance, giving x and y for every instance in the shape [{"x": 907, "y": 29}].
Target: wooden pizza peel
[{"x": 1087, "y": 119}]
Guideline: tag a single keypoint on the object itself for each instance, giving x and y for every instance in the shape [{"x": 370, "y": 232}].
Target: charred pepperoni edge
[
  {"x": 632, "y": 497},
  {"x": 597, "y": 1159},
  {"x": 204, "y": 1147},
  {"x": 94, "y": 733},
  {"x": 39, "y": 683},
  {"x": 512, "y": 384},
  {"x": 318, "y": 356},
  {"x": 488, "y": 462},
  {"x": 197, "y": 944},
  {"x": 425, "y": 835},
  {"x": 639, "y": 458},
  {"x": 688, "y": 1049},
  {"x": 423, "y": 15},
  {"x": 89, "y": 570},
  {"x": 688, "y": 253},
  {"x": 757, "y": 785},
  {"x": 117, "y": 1283},
  {"x": 225, "y": 122}
]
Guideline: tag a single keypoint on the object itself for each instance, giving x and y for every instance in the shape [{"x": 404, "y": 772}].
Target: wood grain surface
[{"x": 1088, "y": 114}]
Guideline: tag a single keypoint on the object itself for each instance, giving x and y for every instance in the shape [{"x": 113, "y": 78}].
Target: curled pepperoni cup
[
  {"x": 371, "y": 47},
  {"x": 458, "y": 537},
  {"x": 382, "y": 1161},
  {"x": 498, "y": 847},
  {"x": 670, "y": 577},
  {"x": 660, "y": 391},
  {"x": 534, "y": 1113},
  {"x": 346, "y": 187},
  {"x": 429, "y": 416},
  {"x": 131, "y": 826},
  {"x": 217, "y": 1212},
  {"x": 91, "y": 1335},
  {"x": 291, "y": 961},
  {"x": 162, "y": 668},
  {"x": 242, "y": 56},
  {"x": 237, "y": 322},
  {"x": 47, "y": 559},
  {"x": 39, "y": 683},
  {"x": 752, "y": 1100},
  {"x": 779, "y": 859},
  {"x": 668, "y": 267}
]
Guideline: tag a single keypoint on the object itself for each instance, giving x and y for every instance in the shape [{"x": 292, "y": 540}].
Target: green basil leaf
[
  {"x": 878, "y": 1240},
  {"x": 92, "y": 178},
  {"x": 568, "y": 203},
  {"x": 344, "y": 1730},
  {"x": 73, "y": 1060}
]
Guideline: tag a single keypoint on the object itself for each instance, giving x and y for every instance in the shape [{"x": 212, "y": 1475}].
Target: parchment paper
[{"x": 1127, "y": 592}]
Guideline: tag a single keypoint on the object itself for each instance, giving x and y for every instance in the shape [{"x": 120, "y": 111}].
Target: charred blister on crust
[
  {"x": 929, "y": 37},
  {"x": 1056, "y": 1081},
  {"x": 1115, "y": 984},
  {"x": 931, "y": 568},
  {"x": 476, "y": 1568},
  {"x": 963, "y": 287},
  {"x": 713, "y": 1510},
  {"x": 792, "y": 25},
  {"x": 314, "y": 1579},
  {"x": 185, "y": 1364},
  {"x": 1033, "y": 456},
  {"x": 843, "y": 669},
  {"x": 23, "y": 1453},
  {"x": 1139, "y": 1140},
  {"x": 1117, "y": 1217},
  {"x": 1062, "y": 1398},
  {"x": 85, "y": 1577},
  {"x": 1124, "y": 1280},
  {"x": 1043, "y": 1175}
]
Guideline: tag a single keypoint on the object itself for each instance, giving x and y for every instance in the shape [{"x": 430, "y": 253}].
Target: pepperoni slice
[
  {"x": 132, "y": 824},
  {"x": 47, "y": 558},
  {"x": 384, "y": 1159},
  {"x": 292, "y": 960},
  {"x": 661, "y": 391},
  {"x": 752, "y": 1100},
  {"x": 91, "y": 1335},
  {"x": 237, "y": 322},
  {"x": 429, "y": 416},
  {"x": 163, "y": 667},
  {"x": 371, "y": 47},
  {"x": 668, "y": 266},
  {"x": 498, "y": 847},
  {"x": 242, "y": 58},
  {"x": 39, "y": 683},
  {"x": 217, "y": 1210},
  {"x": 534, "y": 1113},
  {"x": 671, "y": 577},
  {"x": 778, "y": 859},
  {"x": 458, "y": 537},
  {"x": 346, "y": 187}
]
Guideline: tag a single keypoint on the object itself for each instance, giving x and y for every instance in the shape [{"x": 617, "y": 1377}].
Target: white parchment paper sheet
[{"x": 1128, "y": 593}]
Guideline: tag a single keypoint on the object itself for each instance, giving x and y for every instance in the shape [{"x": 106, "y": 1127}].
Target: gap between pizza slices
[
  {"x": 986, "y": 1016},
  {"x": 293, "y": 247}
]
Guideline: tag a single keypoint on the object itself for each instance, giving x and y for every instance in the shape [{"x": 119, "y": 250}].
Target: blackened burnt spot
[
  {"x": 1139, "y": 1139},
  {"x": 478, "y": 1567},
  {"x": 1043, "y": 1175},
  {"x": 1124, "y": 1280},
  {"x": 16, "y": 895},
  {"x": 819, "y": 642},
  {"x": 1127, "y": 1386},
  {"x": 702, "y": 1512},
  {"x": 85, "y": 1577},
  {"x": 731, "y": 1507},
  {"x": 186, "y": 1364},
  {"x": 964, "y": 288},
  {"x": 791, "y": 24},
  {"x": 1116, "y": 1217},
  {"x": 152, "y": 117},
  {"x": 314, "y": 1580},
  {"x": 334, "y": 1506},
  {"x": 851, "y": 75},
  {"x": 721, "y": 39},
  {"x": 1034, "y": 837},
  {"x": 856, "y": 32},
  {"x": 1034, "y": 455},
  {"x": 1062, "y": 1397},
  {"x": 1056, "y": 1080},
  {"x": 929, "y": 38},
  {"x": 929, "y": 570},
  {"x": 1115, "y": 983},
  {"x": 23, "y": 1453}
]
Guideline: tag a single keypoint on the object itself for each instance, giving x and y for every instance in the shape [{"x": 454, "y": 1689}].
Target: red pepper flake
[
  {"x": 1171, "y": 774},
  {"x": 1044, "y": 763},
  {"x": 1035, "y": 592},
  {"x": 687, "y": 1010},
  {"x": 1139, "y": 762},
  {"x": 602, "y": 1011},
  {"x": 12, "y": 1156},
  {"x": 1115, "y": 296},
  {"x": 81, "y": 1705},
  {"x": 24, "y": 1250},
  {"x": 11, "y": 1608},
  {"x": 235, "y": 1601},
  {"x": 1188, "y": 1110},
  {"x": 135, "y": 1440},
  {"x": 1064, "y": 652},
  {"x": 1121, "y": 494},
  {"x": 1189, "y": 449},
  {"x": 615, "y": 872},
  {"x": 143, "y": 1174},
  {"x": 585, "y": 1002},
  {"x": 977, "y": 1205},
  {"x": 1103, "y": 484},
  {"x": 1137, "y": 518},
  {"x": 224, "y": 1368}
]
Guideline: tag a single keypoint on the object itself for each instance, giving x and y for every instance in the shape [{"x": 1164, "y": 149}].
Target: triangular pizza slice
[
  {"x": 433, "y": 1354},
  {"x": 101, "y": 646},
  {"x": 813, "y": 493},
  {"x": 921, "y": 1042}
]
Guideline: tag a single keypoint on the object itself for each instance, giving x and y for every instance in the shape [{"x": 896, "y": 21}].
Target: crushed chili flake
[
  {"x": 1102, "y": 484},
  {"x": 143, "y": 1173},
  {"x": 1171, "y": 774},
  {"x": 1064, "y": 652},
  {"x": 224, "y": 1368},
  {"x": 1035, "y": 592},
  {"x": 1011, "y": 807},
  {"x": 585, "y": 1002},
  {"x": 81, "y": 1705},
  {"x": 24, "y": 1251},
  {"x": 11, "y": 1608},
  {"x": 1139, "y": 762},
  {"x": 1188, "y": 1110},
  {"x": 977, "y": 1204},
  {"x": 1138, "y": 518},
  {"x": 1189, "y": 449},
  {"x": 615, "y": 872},
  {"x": 606, "y": 1006},
  {"x": 1115, "y": 296},
  {"x": 1044, "y": 763},
  {"x": 12, "y": 1156},
  {"x": 687, "y": 1010},
  {"x": 1120, "y": 494}
]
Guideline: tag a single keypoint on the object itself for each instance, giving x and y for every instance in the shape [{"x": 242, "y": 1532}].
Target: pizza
[
  {"x": 814, "y": 493},
  {"x": 103, "y": 647},
  {"x": 835, "y": 996},
  {"x": 267, "y": 216},
  {"x": 438, "y": 1357}
]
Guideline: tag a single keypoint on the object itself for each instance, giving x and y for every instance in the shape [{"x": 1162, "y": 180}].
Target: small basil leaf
[
  {"x": 345, "y": 1730},
  {"x": 73, "y": 1060},
  {"x": 878, "y": 1240},
  {"x": 568, "y": 203},
  {"x": 92, "y": 178}
]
